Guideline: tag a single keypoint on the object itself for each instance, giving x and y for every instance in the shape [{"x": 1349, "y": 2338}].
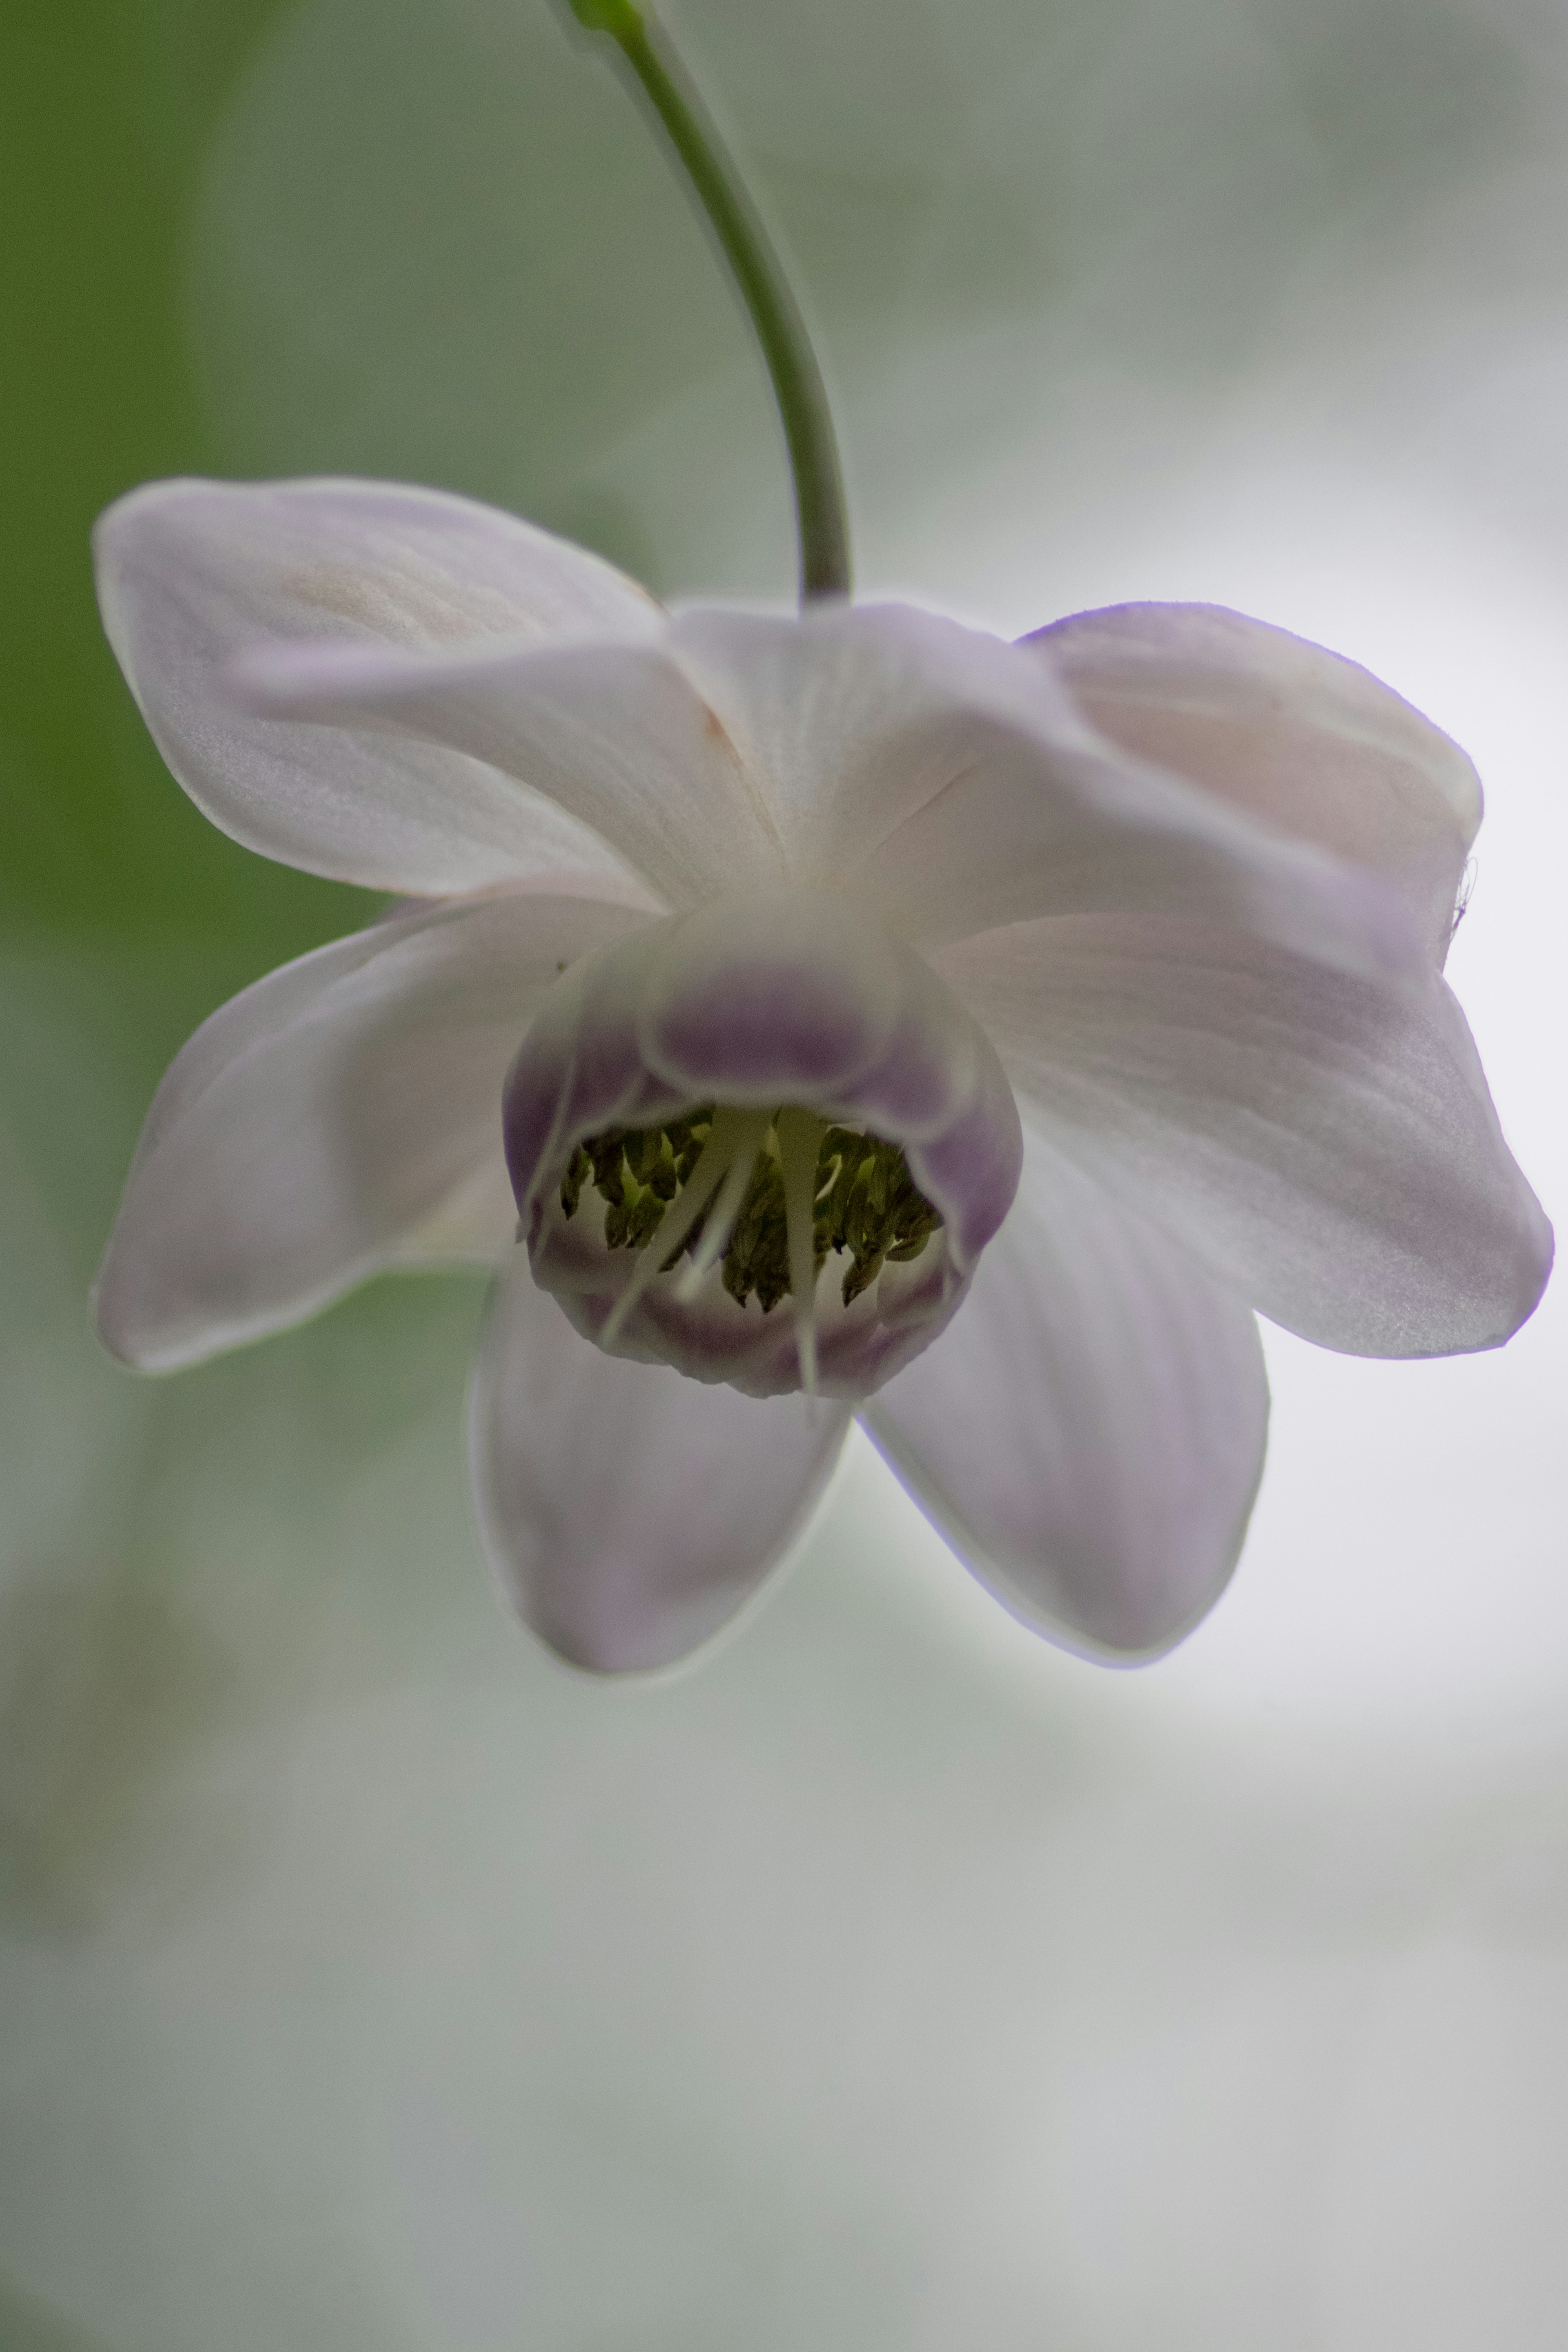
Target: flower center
[{"x": 767, "y": 1195}]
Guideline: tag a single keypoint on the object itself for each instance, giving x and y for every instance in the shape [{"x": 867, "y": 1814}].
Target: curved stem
[{"x": 797, "y": 380}]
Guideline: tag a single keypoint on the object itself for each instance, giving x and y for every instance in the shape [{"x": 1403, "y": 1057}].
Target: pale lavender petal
[
  {"x": 343, "y": 1113},
  {"x": 614, "y": 736},
  {"x": 630, "y": 1513},
  {"x": 1308, "y": 741},
  {"x": 193, "y": 575},
  {"x": 1088, "y": 1433},
  {"x": 937, "y": 778},
  {"x": 1325, "y": 1145},
  {"x": 853, "y": 717},
  {"x": 947, "y": 783}
]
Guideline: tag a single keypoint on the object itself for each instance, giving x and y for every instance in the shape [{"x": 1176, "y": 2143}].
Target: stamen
[
  {"x": 713, "y": 1164},
  {"x": 750, "y": 1133},
  {"x": 770, "y": 1194},
  {"x": 800, "y": 1134}
]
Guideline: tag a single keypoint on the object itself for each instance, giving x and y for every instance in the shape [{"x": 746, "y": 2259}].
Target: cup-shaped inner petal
[
  {"x": 762, "y": 1143},
  {"x": 776, "y": 993}
]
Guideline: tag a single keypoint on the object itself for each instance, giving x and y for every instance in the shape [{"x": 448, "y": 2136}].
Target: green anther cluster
[
  {"x": 637, "y": 1172},
  {"x": 866, "y": 1203}
]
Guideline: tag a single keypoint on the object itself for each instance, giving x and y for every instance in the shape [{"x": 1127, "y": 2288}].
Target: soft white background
[{"x": 893, "y": 1983}]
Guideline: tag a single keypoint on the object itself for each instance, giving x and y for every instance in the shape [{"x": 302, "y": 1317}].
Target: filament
[
  {"x": 712, "y": 1166},
  {"x": 732, "y": 1194},
  {"x": 801, "y": 1134}
]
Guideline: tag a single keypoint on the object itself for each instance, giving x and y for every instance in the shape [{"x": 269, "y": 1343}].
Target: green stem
[{"x": 797, "y": 380}]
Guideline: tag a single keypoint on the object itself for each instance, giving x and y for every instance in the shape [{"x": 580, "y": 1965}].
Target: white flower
[{"x": 1141, "y": 920}]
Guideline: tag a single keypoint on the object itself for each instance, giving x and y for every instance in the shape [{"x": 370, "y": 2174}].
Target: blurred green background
[{"x": 892, "y": 1982}]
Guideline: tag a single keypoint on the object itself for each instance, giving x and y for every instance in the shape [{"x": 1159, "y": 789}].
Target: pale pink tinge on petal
[
  {"x": 1005, "y": 804},
  {"x": 1299, "y": 737},
  {"x": 196, "y": 576},
  {"x": 630, "y": 1513},
  {"x": 853, "y": 717},
  {"x": 342, "y": 1114},
  {"x": 937, "y": 779},
  {"x": 1326, "y": 1146},
  {"x": 608, "y": 735},
  {"x": 1088, "y": 1433}
]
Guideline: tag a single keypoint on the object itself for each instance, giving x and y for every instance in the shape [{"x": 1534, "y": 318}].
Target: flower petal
[
  {"x": 946, "y": 782},
  {"x": 192, "y": 573},
  {"x": 1326, "y": 1146},
  {"x": 329, "y": 1120},
  {"x": 938, "y": 778},
  {"x": 474, "y": 1224},
  {"x": 615, "y": 737},
  {"x": 1088, "y": 1434},
  {"x": 850, "y": 717},
  {"x": 630, "y": 1512},
  {"x": 1295, "y": 735}
]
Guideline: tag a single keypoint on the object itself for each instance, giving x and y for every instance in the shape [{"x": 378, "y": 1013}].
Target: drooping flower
[{"x": 848, "y": 1014}]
